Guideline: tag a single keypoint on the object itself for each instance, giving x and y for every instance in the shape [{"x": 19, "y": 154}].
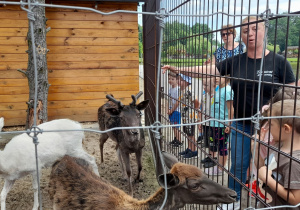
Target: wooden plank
[
  {"x": 88, "y": 95},
  {"x": 13, "y": 41},
  {"x": 92, "y": 49},
  {"x": 10, "y": 49},
  {"x": 14, "y": 74},
  {"x": 93, "y": 80},
  {"x": 77, "y": 32},
  {"x": 71, "y": 15},
  {"x": 75, "y": 65},
  {"x": 93, "y": 88},
  {"x": 93, "y": 73},
  {"x": 13, "y": 31},
  {"x": 14, "y": 98},
  {"x": 108, "y": 25},
  {"x": 93, "y": 41},
  {"x": 9, "y": 121},
  {"x": 13, "y": 106},
  {"x": 73, "y": 57},
  {"x": 72, "y": 32},
  {"x": 73, "y": 81},
  {"x": 73, "y": 88},
  {"x": 61, "y": 41},
  {"x": 8, "y": 90},
  {"x": 11, "y": 74},
  {"x": 13, "y": 83},
  {"x": 82, "y": 103}
]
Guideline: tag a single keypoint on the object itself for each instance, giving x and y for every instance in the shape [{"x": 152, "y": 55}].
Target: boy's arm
[
  {"x": 230, "y": 114},
  {"x": 173, "y": 108},
  {"x": 294, "y": 195},
  {"x": 192, "y": 71}
]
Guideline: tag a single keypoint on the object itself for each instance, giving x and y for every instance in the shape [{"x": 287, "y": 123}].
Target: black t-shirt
[{"x": 244, "y": 75}]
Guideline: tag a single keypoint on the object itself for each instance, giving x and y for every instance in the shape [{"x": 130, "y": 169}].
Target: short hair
[
  {"x": 171, "y": 74},
  {"x": 254, "y": 20},
  {"x": 229, "y": 28},
  {"x": 288, "y": 107},
  {"x": 286, "y": 93}
]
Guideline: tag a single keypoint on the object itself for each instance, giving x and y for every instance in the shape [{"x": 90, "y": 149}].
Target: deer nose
[{"x": 134, "y": 132}]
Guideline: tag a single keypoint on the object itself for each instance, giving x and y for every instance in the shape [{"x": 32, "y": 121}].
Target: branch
[{"x": 24, "y": 72}]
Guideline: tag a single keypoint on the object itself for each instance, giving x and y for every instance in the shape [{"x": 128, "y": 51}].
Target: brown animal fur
[{"x": 73, "y": 185}]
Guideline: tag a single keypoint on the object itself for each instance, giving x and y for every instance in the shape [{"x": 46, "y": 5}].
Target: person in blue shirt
[{"x": 221, "y": 109}]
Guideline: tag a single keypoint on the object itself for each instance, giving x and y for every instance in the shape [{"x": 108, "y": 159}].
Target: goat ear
[
  {"x": 113, "y": 111},
  {"x": 169, "y": 159},
  {"x": 172, "y": 180},
  {"x": 143, "y": 105}
]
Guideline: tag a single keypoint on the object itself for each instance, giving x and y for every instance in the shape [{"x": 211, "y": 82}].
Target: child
[
  {"x": 204, "y": 114},
  {"x": 282, "y": 175},
  {"x": 282, "y": 94},
  {"x": 222, "y": 109},
  {"x": 173, "y": 109},
  {"x": 189, "y": 105}
]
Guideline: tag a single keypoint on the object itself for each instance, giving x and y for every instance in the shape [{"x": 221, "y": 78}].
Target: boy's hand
[
  {"x": 227, "y": 130},
  {"x": 165, "y": 68},
  {"x": 262, "y": 174}
]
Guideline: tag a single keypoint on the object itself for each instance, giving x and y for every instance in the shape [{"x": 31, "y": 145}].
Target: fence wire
[{"x": 161, "y": 15}]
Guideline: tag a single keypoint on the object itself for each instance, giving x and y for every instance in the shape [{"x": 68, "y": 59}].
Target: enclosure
[{"x": 185, "y": 35}]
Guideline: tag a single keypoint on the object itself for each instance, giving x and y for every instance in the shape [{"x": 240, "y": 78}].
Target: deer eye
[{"x": 194, "y": 186}]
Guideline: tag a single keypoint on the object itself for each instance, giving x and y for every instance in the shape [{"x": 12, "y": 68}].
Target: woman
[
  {"x": 230, "y": 47},
  {"x": 244, "y": 71}
]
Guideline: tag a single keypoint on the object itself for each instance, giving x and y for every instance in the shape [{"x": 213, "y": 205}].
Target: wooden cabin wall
[{"x": 90, "y": 56}]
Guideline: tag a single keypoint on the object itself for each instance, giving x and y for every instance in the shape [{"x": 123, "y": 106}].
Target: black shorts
[{"x": 189, "y": 130}]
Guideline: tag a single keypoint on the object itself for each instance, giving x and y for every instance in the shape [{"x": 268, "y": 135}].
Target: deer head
[{"x": 188, "y": 184}]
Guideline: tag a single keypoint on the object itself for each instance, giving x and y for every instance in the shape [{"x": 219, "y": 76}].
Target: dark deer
[
  {"x": 73, "y": 185},
  {"x": 114, "y": 114}
]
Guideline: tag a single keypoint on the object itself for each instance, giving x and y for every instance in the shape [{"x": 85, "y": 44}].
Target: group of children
[
  {"x": 277, "y": 173},
  {"x": 185, "y": 107}
]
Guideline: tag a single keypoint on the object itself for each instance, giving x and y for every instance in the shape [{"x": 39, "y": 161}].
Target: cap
[{"x": 186, "y": 78}]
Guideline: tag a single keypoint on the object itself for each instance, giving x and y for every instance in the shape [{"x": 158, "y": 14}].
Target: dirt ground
[{"x": 21, "y": 195}]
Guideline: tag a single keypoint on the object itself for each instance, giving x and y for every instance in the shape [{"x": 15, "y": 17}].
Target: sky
[{"x": 233, "y": 7}]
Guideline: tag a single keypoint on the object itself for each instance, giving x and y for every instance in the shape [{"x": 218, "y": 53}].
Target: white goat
[
  {"x": 1, "y": 124},
  {"x": 18, "y": 157}
]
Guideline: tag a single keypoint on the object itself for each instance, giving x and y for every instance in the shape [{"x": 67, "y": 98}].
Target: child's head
[
  {"x": 208, "y": 86},
  {"x": 222, "y": 81},
  {"x": 288, "y": 107},
  {"x": 282, "y": 94},
  {"x": 173, "y": 79},
  {"x": 286, "y": 93},
  {"x": 184, "y": 80}
]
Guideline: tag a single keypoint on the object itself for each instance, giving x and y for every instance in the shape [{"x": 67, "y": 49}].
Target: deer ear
[
  {"x": 172, "y": 180},
  {"x": 142, "y": 105},
  {"x": 169, "y": 159},
  {"x": 113, "y": 111}
]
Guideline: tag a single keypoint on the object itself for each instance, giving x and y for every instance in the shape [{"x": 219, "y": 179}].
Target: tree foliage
[
  {"x": 180, "y": 38},
  {"x": 140, "y": 30},
  {"x": 284, "y": 31}
]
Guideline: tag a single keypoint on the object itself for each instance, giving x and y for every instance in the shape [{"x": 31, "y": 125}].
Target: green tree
[
  {"x": 202, "y": 29},
  {"x": 140, "y": 30},
  {"x": 280, "y": 28},
  {"x": 198, "y": 46}
]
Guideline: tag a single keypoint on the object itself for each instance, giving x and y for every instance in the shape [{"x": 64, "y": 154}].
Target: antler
[
  {"x": 119, "y": 103},
  {"x": 135, "y": 98}
]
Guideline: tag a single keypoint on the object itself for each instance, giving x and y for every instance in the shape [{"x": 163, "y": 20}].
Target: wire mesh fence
[
  {"x": 220, "y": 109},
  {"x": 236, "y": 45}
]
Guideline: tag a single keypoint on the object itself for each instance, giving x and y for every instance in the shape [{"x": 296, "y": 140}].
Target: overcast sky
[{"x": 237, "y": 7}]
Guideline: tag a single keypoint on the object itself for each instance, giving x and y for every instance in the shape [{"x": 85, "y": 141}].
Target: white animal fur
[
  {"x": 18, "y": 157},
  {"x": 1, "y": 124}
]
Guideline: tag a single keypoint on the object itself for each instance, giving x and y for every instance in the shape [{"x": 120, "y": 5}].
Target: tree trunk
[{"x": 39, "y": 26}]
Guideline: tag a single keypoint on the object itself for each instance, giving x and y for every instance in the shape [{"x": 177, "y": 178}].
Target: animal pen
[{"x": 185, "y": 34}]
